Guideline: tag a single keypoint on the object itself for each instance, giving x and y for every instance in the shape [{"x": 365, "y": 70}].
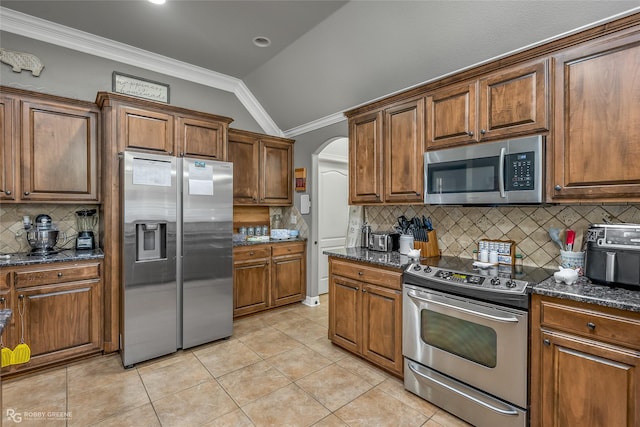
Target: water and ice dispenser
[{"x": 151, "y": 241}]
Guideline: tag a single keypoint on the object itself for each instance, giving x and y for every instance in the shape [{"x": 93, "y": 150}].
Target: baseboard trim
[{"x": 312, "y": 301}]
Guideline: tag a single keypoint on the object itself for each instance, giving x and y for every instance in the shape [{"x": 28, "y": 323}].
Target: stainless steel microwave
[{"x": 508, "y": 171}]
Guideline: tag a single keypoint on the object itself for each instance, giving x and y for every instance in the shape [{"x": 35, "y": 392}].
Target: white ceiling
[{"x": 325, "y": 56}]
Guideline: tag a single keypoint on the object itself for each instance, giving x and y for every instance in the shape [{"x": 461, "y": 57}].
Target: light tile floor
[{"x": 278, "y": 369}]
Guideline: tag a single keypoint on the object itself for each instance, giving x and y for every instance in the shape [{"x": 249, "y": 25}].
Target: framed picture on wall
[{"x": 140, "y": 87}]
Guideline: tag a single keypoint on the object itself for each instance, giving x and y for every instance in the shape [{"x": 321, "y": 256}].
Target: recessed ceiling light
[
  {"x": 261, "y": 41},
  {"x": 157, "y": 1}
]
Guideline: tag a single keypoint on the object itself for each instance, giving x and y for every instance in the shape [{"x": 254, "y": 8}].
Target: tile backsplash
[
  {"x": 12, "y": 235},
  {"x": 459, "y": 227}
]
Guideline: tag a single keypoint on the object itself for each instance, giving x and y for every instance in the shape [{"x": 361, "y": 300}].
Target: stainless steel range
[{"x": 465, "y": 338}]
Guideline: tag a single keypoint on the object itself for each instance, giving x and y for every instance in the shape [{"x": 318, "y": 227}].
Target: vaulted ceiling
[{"x": 325, "y": 56}]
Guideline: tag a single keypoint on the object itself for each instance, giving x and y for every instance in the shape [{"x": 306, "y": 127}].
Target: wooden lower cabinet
[
  {"x": 585, "y": 365},
  {"x": 268, "y": 276},
  {"x": 365, "y": 312},
  {"x": 62, "y": 308}
]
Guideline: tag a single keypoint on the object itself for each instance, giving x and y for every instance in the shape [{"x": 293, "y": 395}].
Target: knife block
[{"x": 430, "y": 248}]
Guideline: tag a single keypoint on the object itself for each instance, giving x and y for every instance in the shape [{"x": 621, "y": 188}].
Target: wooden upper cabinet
[
  {"x": 403, "y": 152},
  {"x": 506, "y": 103},
  {"x": 596, "y": 149},
  {"x": 262, "y": 168},
  {"x": 515, "y": 101},
  {"x": 277, "y": 172},
  {"x": 59, "y": 151},
  {"x": 201, "y": 138},
  {"x": 451, "y": 116},
  {"x": 244, "y": 152},
  {"x": 365, "y": 158},
  {"x": 146, "y": 129},
  {"x": 8, "y": 149}
]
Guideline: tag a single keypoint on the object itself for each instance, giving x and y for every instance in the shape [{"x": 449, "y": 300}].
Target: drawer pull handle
[
  {"x": 591, "y": 326},
  {"x": 547, "y": 343}
]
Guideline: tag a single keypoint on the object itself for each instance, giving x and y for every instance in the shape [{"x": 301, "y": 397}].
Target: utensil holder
[
  {"x": 573, "y": 260},
  {"x": 430, "y": 248}
]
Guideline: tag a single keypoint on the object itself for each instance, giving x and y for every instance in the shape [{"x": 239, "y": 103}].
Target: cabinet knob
[
  {"x": 470, "y": 133},
  {"x": 591, "y": 326},
  {"x": 2, "y": 300},
  {"x": 483, "y": 131},
  {"x": 7, "y": 192},
  {"x": 357, "y": 289},
  {"x": 546, "y": 342},
  {"x": 360, "y": 273},
  {"x": 26, "y": 193},
  {"x": 60, "y": 274},
  {"x": 557, "y": 187},
  {"x": 364, "y": 290},
  {"x": 170, "y": 152},
  {"x": 251, "y": 253},
  {"x": 377, "y": 196}
]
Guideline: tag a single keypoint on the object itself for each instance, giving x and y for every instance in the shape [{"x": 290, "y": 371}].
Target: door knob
[{"x": 557, "y": 187}]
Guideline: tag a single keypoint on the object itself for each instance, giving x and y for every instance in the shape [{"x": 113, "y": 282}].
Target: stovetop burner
[{"x": 499, "y": 284}]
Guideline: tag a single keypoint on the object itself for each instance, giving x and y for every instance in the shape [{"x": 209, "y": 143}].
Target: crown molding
[
  {"x": 60, "y": 35},
  {"x": 315, "y": 124}
]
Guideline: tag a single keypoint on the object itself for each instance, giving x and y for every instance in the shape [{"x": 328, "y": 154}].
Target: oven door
[{"x": 480, "y": 344}]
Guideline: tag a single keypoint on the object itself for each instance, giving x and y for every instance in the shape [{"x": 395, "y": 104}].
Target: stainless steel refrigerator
[{"x": 177, "y": 289}]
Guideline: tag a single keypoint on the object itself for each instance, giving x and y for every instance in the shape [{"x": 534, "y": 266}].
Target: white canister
[{"x": 406, "y": 243}]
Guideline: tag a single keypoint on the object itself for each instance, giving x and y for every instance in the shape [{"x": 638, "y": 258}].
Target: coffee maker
[{"x": 86, "y": 222}]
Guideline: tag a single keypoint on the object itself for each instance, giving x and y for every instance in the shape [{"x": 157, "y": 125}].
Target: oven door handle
[
  {"x": 509, "y": 319},
  {"x": 463, "y": 394}
]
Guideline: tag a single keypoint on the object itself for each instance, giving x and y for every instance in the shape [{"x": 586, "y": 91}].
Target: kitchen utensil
[
  {"x": 571, "y": 236},
  {"x": 5, "y": 352},
  {"x": 22, "y": 352},
  {"x": 554, "y": 233}
]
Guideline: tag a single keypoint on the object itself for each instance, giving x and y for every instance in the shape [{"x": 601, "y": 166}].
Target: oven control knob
[
  {"x": 511, "y": 284},
  {"x": 495, "y": 281},
  {"x": 417, "y": 267}
]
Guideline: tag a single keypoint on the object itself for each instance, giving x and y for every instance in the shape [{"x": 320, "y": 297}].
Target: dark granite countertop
[
  {"x": 269, "y": 242},
  {"x": 585, "y": 291},
  {"x": 385, "y": 259},
  {"x": 25, "y": 258},
  {"x": 5, "y": 315}
]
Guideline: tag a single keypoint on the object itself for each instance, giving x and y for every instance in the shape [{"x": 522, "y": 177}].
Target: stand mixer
[{"x": 43, "y": 236}]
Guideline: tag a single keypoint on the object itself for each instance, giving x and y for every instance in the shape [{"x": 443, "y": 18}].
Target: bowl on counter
[{"x": 293, "y": 234}]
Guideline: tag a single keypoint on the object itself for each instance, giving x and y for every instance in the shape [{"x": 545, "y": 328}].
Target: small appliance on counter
[
  {"x": 384, "y": 242},
  {"x": 43, "y": 236},
  {"x": 613, "y": 254},
  {"x": 86, "y": 222}
]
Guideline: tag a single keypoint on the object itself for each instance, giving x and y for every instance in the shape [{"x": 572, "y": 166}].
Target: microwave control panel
[{"x": 520, "y": 169}]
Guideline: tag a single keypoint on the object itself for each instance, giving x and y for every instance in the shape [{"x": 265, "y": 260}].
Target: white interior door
[{"x": 333, "y": 212}]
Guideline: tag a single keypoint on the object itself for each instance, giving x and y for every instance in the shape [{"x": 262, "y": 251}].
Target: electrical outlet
[{"x": 293, "y": 219}]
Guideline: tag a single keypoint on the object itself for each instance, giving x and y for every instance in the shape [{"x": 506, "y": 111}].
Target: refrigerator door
[
  {"x": 149, "y": 293},
  {"x": 206, "y": 249}
]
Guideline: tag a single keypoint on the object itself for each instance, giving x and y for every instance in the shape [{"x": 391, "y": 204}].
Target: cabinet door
[
  {"x": 595, "y": 151},
  {"x": 451, "y": 116},
  {"x": 276, "y": 167},
  {"x": 201, "y": 138},
  {"x": 588, "y": 384},
  {"x": 8, "y": 149},
  {"x": 61, "y": 321},
  {"x": 251, "y": 286},
  {"x": 288, "y": 279},
  {"x": 345, "y": 313},
  {"x": 59, "y": 145},
  {"x": 404, "y": 152},
  {"x": 365, "y": 159},
  {"x": 244, "y": 153},
  {"x": 514, "y": 101},
  {"x": 382, "y": 327},
  {"x": 146, "y": 130}
]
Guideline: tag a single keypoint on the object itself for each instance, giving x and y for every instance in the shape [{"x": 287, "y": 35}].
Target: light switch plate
[{"x": 305, "y": 204}]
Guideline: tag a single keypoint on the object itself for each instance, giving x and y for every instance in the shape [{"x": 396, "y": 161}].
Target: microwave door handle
[{"x": 503, "y": 152}]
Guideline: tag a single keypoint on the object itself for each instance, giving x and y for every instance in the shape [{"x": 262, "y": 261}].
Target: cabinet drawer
[
  {"x": 50, "y": 275},
  {"x": 369, "y": 274},
  {"x": 253, "y": 252},
  {"x": 608, "y": 327},
  {"x": 287, "y": 249}
]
